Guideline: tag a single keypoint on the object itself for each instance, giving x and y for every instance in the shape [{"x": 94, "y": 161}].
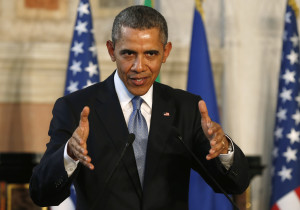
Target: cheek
[
  {"x": 155, "y": 67},
  {"x": 124, "y": 67}
]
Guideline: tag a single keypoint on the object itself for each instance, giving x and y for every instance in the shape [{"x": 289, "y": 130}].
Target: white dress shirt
[{"x": 125, "y": 98}]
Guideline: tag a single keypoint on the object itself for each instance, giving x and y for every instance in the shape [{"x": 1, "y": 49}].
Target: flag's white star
[
  {"x": 89, "y": 83},
  {"x": 73, "y": 86},
  {"x": 77, "y": 48},
  {"x": 91, "y": 69},
  {"x": 290, "y": 154},
  {"x": 289, "y": 76},
  {"x": 296, "y": 117},
  {"x": 278, "y": 133},
  {"x": 293, "y": 57},
  {"x": 83, "y": 9},
  {"x": 75, "y": 67},
  {"x": 275, "y": 152},
  {"x": 295, "y": 40},
  {"x": 285, "y": 173},
  {"x": 288, "y": 17},
  {"x": 93, "y": 49},
  {"x": 286, "y": 95},
  {"x": 293, "y": 136},
  {"x": 281, "y": 114},
  {"x": 81, "y": 27}
]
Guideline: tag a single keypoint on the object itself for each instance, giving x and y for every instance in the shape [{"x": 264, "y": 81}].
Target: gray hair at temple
[{"x": 140, "y": 17}]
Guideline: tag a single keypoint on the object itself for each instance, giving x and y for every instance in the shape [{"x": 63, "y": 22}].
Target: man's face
[{"x": 139, "y": 55}]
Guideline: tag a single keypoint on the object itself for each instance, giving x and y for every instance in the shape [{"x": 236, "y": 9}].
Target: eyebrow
[
  {"x": 127, "y": 51},
  {"x": 152, "y": 51}
]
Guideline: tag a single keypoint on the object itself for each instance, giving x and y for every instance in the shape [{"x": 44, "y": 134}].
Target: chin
[{"x": 138, "y": 92}]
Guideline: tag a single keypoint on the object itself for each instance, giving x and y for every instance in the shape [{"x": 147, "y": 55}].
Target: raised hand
[
  {"x": 77, "y": 143},
  {"x": 214, "y": 133}
]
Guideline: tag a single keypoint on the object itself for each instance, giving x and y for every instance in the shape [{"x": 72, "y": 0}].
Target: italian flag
[{"x": 149, "y": 3}]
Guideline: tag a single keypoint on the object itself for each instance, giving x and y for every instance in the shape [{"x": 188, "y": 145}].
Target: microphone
[
  {"x": 206, "y": 171},
  {"x": 130, "y": 140}
]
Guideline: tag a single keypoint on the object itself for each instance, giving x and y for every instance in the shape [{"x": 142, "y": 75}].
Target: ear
[
  {"x": 111, "y": 50},
  {"x": 167, "y": 50}
]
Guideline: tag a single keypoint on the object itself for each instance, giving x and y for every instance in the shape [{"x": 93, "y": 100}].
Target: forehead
[{"x": 127, "y": 34}]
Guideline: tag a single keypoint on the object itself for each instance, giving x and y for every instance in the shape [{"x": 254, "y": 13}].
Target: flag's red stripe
[
  {"x": 297, "y": 191},
  {"x": 275, "y": 207}
]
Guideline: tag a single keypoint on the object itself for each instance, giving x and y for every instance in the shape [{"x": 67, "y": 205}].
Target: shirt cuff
[
  {"x": 227, "y": 159},
  {"x": 69, "y": 163}
]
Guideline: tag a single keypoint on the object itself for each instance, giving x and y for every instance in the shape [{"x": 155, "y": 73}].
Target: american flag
[
  {"x": 83, "y": 69},
  {"x": 286, "y": 152}
]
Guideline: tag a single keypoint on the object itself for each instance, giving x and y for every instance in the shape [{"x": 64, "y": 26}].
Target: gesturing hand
[
  {"x": 214, "y": 133},
  {"x": 77, "y": 143}
]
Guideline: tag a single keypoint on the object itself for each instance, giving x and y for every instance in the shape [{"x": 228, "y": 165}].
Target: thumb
[
  {"x": 204, "y": 113},
  {"x": 84, "y": 117}
]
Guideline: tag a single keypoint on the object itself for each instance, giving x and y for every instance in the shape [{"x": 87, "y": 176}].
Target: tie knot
[{"x": 137, "y": 102}]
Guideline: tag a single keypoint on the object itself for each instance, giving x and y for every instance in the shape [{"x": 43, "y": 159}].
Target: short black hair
[{"x": 140, "y": 17}]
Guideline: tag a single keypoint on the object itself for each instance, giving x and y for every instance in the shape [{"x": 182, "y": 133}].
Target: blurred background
[{"x": 244, "y": 39}]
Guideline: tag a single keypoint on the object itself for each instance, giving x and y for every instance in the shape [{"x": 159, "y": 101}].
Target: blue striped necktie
[{"x": 137, "y": 125}]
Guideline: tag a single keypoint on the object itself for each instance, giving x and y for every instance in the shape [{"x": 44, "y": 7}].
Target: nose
[{"x": 138, "y": 65}]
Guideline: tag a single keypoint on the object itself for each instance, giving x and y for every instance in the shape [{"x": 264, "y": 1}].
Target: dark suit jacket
[{"x": 168, "y": 163}]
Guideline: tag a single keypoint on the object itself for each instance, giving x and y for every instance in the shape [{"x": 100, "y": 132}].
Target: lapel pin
[{"x": 166, "y": 114}]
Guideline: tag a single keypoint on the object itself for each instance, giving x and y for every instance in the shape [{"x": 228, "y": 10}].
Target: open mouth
[{"x": 138, "y": 81}]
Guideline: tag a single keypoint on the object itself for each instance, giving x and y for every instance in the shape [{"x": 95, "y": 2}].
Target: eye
[
  {"x": 127, "y": 53},
  {"x": 152, "y": 53}
]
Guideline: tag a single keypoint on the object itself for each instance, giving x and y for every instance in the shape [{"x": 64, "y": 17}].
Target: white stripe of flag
[{"x": 290, "y": 201}]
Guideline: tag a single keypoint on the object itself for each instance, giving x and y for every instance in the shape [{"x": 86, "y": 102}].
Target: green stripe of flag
[{"x": 148, "y": 3}]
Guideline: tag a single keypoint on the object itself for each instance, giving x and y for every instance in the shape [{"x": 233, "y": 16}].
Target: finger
[
  {"x": 219, "y": 146},
  {"x": 84, "y": 117},
  {"x": 211, "y": 156},
  {"x": 74, "y": 148},
  {"x": 79, "y": 148},
  {"x": 77, "y": 137},
  {"x": 81, "y": 155},
  {"x": 88, "y": 165},
  {"x": 84, "y": 159},
  {"x": 214, "y": 129},
  {"x": 204, "y": 113},
  {"x": 214, "y": 152},
  {"x": 82, "y": 130}
]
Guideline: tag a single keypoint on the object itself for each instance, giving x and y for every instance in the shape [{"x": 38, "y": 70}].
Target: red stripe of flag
[
  {"x": 297, "y": 191},
  {"x": 275, "y": 207}
]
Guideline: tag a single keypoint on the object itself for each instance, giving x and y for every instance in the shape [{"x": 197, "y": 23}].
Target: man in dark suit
[{"x": 90, "y": 128}]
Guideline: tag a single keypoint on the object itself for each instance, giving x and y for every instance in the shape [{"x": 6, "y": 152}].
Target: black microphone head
[
  {"x": 178, "y": 136},
  {"x": 131, "y": 138}
]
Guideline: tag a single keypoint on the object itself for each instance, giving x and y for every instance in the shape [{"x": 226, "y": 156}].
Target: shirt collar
[{"x": 125, "y": 96}]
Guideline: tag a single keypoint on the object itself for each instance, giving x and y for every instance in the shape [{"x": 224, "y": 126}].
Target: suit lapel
[
  {"x": 162, "y": 116},
  {"x": 116, "y": 127}
]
